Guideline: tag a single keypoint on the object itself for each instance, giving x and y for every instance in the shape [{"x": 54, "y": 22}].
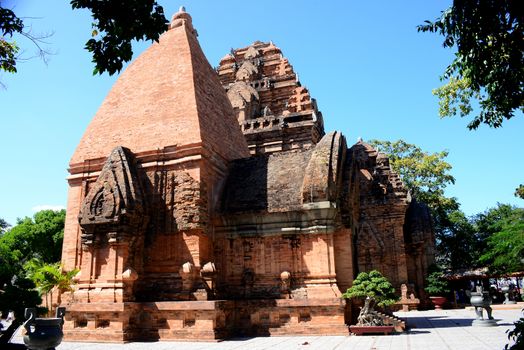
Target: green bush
[
  {"x": 374, "y": 286},
  {"x": 437, "y": 284}
]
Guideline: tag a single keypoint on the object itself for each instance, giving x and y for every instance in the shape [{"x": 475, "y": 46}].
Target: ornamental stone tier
[{"x": 206, "y": 203}]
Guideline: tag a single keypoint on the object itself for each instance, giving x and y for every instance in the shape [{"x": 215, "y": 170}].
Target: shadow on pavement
[
  {"x": 10, "y": 346},
  {"x": 434, "y": 322},
  {"x": 242, "y": 339},
  {"x": 413, "y": 331}
]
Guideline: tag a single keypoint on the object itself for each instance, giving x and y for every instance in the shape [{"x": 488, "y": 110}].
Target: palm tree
[{"x": 48, "y": 277}]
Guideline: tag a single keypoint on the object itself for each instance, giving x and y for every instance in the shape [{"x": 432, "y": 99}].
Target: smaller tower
[{"x": 274, "y": 111}]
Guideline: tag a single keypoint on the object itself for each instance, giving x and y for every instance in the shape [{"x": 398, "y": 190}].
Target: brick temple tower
[
  {"x": 144, "y": 180},
  {"x": 210, "y": 203}
]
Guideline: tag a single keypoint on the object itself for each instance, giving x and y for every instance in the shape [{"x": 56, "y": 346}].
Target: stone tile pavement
[{"x": 430, "y": 330}]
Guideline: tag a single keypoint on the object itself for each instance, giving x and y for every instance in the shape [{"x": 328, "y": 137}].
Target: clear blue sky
[{"x": 370, "y": 71}]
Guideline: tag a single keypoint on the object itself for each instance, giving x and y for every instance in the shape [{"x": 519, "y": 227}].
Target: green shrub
[{"x": 437, "y": 284}]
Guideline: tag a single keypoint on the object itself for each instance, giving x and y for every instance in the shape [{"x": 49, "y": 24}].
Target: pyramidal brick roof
[{"x": 169, "y": 95}]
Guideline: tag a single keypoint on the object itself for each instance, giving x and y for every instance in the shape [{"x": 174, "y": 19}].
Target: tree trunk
[
  {"x": 50, "y": 310},
  {"x": 368, "y": 316},
  {"x": 365, "y": 313},
  {"x": 59, "y": 298},
  {"x": 47, "y": 302}
]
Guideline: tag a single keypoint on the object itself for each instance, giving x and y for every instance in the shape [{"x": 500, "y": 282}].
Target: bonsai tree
[
  {"x": 437, "y": 284},
  {"x": 377, "y": 291}
]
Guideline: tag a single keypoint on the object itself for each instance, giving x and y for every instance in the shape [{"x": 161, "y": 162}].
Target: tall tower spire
[{"x": 162, "y": 99}]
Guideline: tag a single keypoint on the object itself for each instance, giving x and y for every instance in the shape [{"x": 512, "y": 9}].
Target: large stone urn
[
  {"x": 482, "y": 300},
  {"x": 43, "y": 333},
  {"x": 508, "y": 294}
]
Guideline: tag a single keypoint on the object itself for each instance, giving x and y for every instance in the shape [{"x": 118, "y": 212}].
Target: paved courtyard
[{"x": 430, "y": 330}]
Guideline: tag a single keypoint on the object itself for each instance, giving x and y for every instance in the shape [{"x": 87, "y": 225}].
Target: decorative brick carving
[
  {"x": 247, "y": 71},
  {"x": 284, "y": 115},
  {"x": 244, "y": 99},
  {"x": 113, "y": 208},
  {"x": 285, "y": 284},
  {"x": 187, "y": 199},
  {"x": 208, "y": 274},
  {"x": 299, "y": 101},
  {"x": 251, "y": 52}
]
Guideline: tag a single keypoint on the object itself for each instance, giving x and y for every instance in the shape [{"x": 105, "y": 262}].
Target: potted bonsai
[
  {"x": 377, "y": 291},
  {"x": 437, "y": 287}
]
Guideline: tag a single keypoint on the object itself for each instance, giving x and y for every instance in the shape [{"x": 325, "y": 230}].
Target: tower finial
[{"x": 182, "y": 18}]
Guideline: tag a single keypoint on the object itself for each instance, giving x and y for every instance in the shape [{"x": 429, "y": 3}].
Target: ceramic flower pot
[
  {"x": 359, "y": 330},
  {"x": 438, "y": 302}
]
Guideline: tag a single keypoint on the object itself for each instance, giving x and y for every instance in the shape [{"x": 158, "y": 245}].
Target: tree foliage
[
  {"x": 425, "y": 174},
  {"x": 41, "y": 237},
  {"x": 116, "y": 23},
  {"x": 9, "y": 24},
  {"x": 458, "y": 243},
  {"x": 516, "y": 336},
  {"x": 519, "y": 191},
  {"x": 12, "y": 26},
  {"x": 49, "y": 276},
  {"x": 437, "y": 284},
  {"x": 505, "y": 244},
  {"x": 492, "y": 220},
  {"x": 3, "y": 226},
  {"x": 372, "y": 285},
  {"x": 488, "y": 65}
]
